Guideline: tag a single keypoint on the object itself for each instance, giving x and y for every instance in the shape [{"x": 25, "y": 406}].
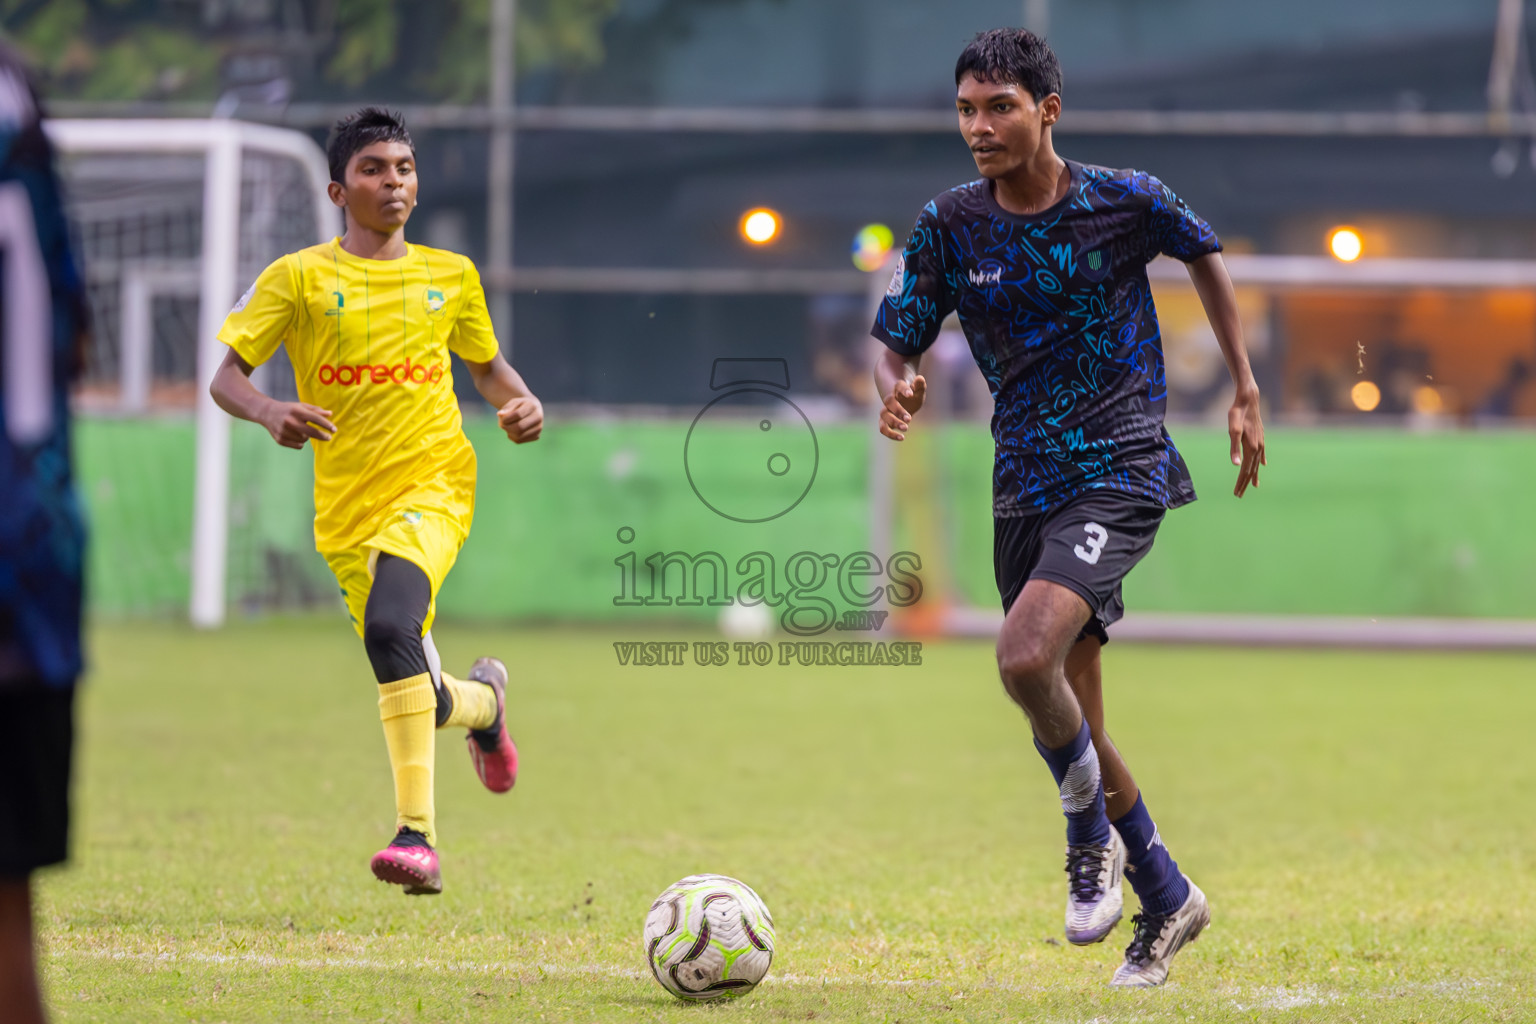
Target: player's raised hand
[
  {"x": 905, "y": 399},
  {"x": 293, "y": 423},
  {"x": 522, "y": 419},
  {"x": 1246, "y": 430}
]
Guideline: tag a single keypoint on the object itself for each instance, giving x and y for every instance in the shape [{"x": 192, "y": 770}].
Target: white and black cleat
[
  {"x": 1158, "y": 937},
  {"x": 1094, "y": 898}
]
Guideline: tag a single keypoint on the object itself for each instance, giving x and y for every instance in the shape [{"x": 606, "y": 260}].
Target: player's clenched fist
[
  {"x": 291, "y": 423},
  {"x": 522, "y": 419},
  {"x": 905, "y": 399}
]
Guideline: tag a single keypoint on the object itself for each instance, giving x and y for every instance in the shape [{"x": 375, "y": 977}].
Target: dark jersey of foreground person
[
  {"x": 1059, "y": 316},
  {"x": 42, "y": 303}
]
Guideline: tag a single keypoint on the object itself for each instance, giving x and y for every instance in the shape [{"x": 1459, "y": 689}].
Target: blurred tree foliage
[{"x": 424, "y": 50}]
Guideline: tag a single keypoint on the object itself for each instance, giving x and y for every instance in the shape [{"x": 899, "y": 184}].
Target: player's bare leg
[
  {"x": 1039, "y": 633},
  {"x": 1085, "y": 676},
  {"x": 18, "y": 957},
  {"x": 1174, "y": 910}
]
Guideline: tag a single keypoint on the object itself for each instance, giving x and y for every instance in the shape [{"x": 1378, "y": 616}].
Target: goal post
[{"x": 223, "y": 146}]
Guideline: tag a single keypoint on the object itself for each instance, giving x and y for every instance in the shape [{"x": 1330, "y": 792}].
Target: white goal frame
[{"x": 221, "y": 143}]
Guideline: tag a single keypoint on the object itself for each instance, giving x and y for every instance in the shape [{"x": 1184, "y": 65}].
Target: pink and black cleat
[
  {"x": 409, "y": 860},
  {"x": 492, "y": 749}
]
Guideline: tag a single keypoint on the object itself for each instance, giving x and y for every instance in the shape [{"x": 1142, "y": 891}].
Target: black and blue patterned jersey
[
  {"x": 42, "y": 313},
  {"x": 1059, "y": 316}
]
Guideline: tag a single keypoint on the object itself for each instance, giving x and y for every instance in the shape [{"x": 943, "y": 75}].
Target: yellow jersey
[{"x": 369, "y": 341}]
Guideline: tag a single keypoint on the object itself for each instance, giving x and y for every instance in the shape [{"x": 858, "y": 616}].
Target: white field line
[
  {"x": 1262, "y": 998},
  {"x": 1267, "y": 998},
  {"x": 542, "y": 968},
  {"x": 332, "y": 963},
  {"x": 509, "y": 967}
]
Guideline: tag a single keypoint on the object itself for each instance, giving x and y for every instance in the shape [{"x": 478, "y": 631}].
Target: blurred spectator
[
  {"x": 838, "y": 329},
  {"x": 1504, "y": 399}
]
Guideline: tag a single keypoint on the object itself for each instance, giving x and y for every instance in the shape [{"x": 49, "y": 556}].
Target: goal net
[{"x": 174, "y": 219}]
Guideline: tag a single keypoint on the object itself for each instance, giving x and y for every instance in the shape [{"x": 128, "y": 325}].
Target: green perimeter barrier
[
  {"x": 548, "y": 515},
  {"x": 1347, "y": 521},
  {"x": 135, "y": 480}
]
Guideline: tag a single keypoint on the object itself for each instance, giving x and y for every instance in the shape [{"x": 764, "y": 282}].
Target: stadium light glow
[
  {"x": 1366, "y": 395},
  {"x": 760, "y": 226},
  {"x": 1427, "y": 400},
  {"x": 1345, "y": 244}
]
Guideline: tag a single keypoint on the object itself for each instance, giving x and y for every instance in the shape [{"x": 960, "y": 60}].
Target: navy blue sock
[
  {"x": 1075, "y": 768},
  {"x": 1148, "y": 867}
]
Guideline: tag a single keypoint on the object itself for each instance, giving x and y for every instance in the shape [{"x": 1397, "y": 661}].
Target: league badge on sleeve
[
  {"x": 239, "y": 305},
  {"x": 894, "y": 288}
]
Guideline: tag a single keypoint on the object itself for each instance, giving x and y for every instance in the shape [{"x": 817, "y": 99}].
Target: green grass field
[{"x": 1360, "y": 822}]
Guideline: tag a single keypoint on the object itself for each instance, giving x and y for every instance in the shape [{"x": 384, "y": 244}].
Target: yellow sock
[
  {"x": 408, "y": 709},
  {"x": 474, "y": 704}
]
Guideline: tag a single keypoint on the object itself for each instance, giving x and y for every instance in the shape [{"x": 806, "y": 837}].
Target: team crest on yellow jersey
[
  {"x": 436, "y": 302},
  {"x": 411, "y": 519}
]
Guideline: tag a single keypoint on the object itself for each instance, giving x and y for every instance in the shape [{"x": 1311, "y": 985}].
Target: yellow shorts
[{"x": 428, "y": 540}]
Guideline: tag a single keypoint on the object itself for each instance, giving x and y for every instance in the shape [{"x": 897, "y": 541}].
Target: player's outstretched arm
[
  {"x": 901, "y": 389},
  {"x": 1244, "y": 425},
  {"x": 289, "y": 423},
  {"x": 520, "y": 414}
]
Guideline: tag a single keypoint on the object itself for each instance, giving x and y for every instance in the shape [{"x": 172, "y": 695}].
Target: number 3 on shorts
[{"x": 1097, "y": 538}]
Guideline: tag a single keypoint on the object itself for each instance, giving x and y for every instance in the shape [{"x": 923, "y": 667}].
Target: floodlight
[
  {"x": 1366, "y": 395},
  {"x": 760, "y": 225},
  {"x": 1345, "y": 244}
]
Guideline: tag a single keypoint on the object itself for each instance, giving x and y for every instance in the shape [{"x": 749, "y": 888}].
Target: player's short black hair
[
  {"x": 1014, "y": 55},
  {"x": 360, "y": 130}
]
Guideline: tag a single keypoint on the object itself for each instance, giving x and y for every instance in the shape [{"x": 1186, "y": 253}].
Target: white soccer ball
[
  {"x": 746, "y": 621},
  {"x": 708, "y": 936}
]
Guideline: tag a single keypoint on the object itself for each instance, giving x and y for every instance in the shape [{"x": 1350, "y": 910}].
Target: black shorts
[
  {"x": 37, "y": 733},
  {"x": 1087, "y": 545}
]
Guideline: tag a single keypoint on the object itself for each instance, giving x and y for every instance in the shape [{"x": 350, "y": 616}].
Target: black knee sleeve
[
  {"x": 392, "y": 620},
  {"x": 397, "y": 607}
]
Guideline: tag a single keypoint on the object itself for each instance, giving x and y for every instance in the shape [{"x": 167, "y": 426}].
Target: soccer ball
[
  {"x": 708, "y": 936},
  {"x": 746, "y": 621}
]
